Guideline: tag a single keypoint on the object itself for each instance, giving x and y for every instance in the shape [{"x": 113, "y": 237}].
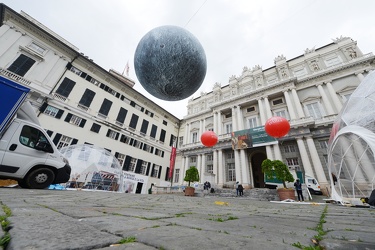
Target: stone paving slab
[{"x": 55, "y": 219}]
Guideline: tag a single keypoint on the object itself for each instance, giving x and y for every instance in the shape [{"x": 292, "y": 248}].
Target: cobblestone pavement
[{"x": 55, "y": 219}]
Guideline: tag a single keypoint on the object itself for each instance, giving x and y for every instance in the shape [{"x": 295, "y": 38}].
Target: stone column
[
  {"x": 215, "y": 166},
  {"x": 304, "y": 157},
  {"x": 297, "y": 104},
  {"x": 182, "y": 171},
  {"x": 234, "y": 122},
  {"x": 317, "y": 163},
  {"x": 269, "y": 152},
  {"x": 215, "y": 123},
  {"x": 239, "y": 118},
  {"x": 289, "y": 105},
  {"x": 203, "y": 163},
  {"x": 268, "y": 108},
  {"x": 186, "y": 167},
  {"x": 326, "y": 102},
  {"x": 204, "y": 124},
  {"x": 221, "y": 169},
  {"x": 219, "y": 124},
  {"x": 199, "y": 165},
  {"x": 245, "y": 168},
  {"x": 277, "y": 152},
  {"x": 186, "y": 139},
  {"x": 200, "y": 129},
  {"x": 335, "y": 98},
  {"x": 237, "y": 165},
  {"x": 261, "y": 112}
]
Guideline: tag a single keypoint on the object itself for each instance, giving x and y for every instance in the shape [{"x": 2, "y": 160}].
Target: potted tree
[
  {"x": 191, "y": 175},
  {"x": 280, "y": 171}
]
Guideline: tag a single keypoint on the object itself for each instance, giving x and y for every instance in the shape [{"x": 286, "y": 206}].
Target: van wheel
[
  {"x": 22, "y": 184},
  {"x": 40, "y": 178}
]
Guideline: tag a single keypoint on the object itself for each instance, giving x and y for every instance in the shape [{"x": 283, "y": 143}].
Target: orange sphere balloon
[
  {"x": 209, "y": 138},
  {"x": 277, "y": 126}
]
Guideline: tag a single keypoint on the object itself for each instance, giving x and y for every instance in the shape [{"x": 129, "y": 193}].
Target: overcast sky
[{"x": 233, "y": 33}]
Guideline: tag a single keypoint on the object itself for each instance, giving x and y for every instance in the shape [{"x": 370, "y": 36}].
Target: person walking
[
  {"x": 240, "y": 189},
  {"x": 298, "y": 186},
  {"x": 237, "y": 183}
]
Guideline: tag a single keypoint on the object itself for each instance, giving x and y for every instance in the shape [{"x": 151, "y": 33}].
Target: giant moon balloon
[
  {"x": 170, "y": 63},
  {"x": 277, "y": 126},
  {"x": 209, "y": 138}
]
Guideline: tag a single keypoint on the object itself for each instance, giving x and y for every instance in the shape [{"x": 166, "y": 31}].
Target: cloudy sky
[{"x": 233, "y": 33}]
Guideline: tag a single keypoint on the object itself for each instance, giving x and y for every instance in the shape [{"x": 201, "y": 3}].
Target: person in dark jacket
[
  {"x": 240, "y": 189},
  {"x": 298, "y": 187}
]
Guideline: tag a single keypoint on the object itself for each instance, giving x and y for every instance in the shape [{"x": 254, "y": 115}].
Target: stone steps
[{"x": 263, "y": 194}]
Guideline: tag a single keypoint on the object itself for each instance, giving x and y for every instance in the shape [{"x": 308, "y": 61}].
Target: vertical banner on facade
[
  {"x": 249, "y": 138},
  {"x": 172, "y": 160}
]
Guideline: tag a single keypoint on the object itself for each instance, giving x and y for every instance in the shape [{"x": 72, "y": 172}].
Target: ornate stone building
[
  {"x": 79, "y": 102},
  {"x": 308, "y": 90}
]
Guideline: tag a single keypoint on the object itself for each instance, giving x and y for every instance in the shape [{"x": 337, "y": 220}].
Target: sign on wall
[{"x": 253, "y": 137}]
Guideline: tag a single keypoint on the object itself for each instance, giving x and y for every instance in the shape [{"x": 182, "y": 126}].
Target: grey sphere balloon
[{"x": 170, "y": 63}]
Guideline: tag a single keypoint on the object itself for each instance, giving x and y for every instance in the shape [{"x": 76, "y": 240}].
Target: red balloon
[
  {"x": 277, "y": 126},
  {"x": 209, "y": 138}
]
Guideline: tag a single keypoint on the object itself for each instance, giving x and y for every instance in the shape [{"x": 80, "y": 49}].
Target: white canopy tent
[{"x": 351, "y": 161}]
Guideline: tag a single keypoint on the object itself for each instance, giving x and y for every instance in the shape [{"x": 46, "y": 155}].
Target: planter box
[
  {"x": 189, "y": 191},
  {"x": 286, "y": 194}
]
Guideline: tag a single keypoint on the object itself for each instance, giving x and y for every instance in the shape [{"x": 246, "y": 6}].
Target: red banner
[{"x": 172, "y": 161}]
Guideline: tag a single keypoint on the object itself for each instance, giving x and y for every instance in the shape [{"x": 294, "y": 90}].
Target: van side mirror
[{"x": 44, "y": 146}]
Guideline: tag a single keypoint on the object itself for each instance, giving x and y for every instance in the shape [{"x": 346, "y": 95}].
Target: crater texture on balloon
[{"x": 170, "y": 63}]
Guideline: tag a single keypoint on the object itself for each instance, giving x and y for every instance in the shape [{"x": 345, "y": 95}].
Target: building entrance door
[
  {"x": 256, "y": 163},
  {"x": 139, "y": 188}
]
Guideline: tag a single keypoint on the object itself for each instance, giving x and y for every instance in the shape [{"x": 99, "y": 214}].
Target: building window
[
  {"x": 133, "y": 121},
  {"x": 162, "y": 135},
  {"x": 64, "y": 141},
  {"x": 125, "y": 139},
  {"x": 209, "y": 157},
  {"x": 106, "y": 106},
  {"x": 228, "y": 128},
  {"x": 95, "y": 128},
  {"x": 52, "y": 111},
  {"x": 230, "y": 155},
  {"x": 121, "y": 116},
  {"x": 250, "y": 109},
  {"x": 155, "y": 172},
  {"x": 165, "y": 123},
  {"x": 193, "y": 159},
  {"x": 289, "y": 148},
  {"x": 153, "y": 131},
  {"x": 194, "y": 137},
  {"x": 277, "y": 102},
  {"x": 231, "y": 172},
  {"x": 143, "y": 167},
  {"x": 65, "y": 87},
  {"x": 87, "y": 98},
  {"x": 113, "y": 134},
  {"x": 210, "y": 168},
  {"x": 323, "y": 144},
  {"x": 281, "y": 113},
  {"x": 144, "y": 126},
  {"x": 314, "y": 110},
  {"x": 76, "y": 120},
  {"x": 132, "y": 164},
  {"x": 292, "y": 162},
  {"x": 21, "y": 65},
  {"x": 180, "y": 140},
  {"x": 252, "y": 122},
  {"x": 176, "y": 175},
  {"x": 120, "y": 158}
]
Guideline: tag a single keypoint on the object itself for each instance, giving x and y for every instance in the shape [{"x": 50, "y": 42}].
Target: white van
[{"x": 27, "y": 154}]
